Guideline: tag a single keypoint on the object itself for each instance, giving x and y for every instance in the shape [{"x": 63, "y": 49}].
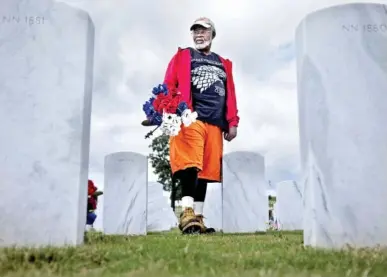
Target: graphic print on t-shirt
[
  {"x": 208, "y": 86},
  {"x": 206, "y": 75}
]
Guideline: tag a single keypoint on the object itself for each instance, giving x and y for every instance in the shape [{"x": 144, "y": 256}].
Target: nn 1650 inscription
[{"x": 369, "y": 28}]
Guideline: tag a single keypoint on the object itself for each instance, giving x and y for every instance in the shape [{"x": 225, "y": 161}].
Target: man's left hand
[{"x": 232, "y": 133}]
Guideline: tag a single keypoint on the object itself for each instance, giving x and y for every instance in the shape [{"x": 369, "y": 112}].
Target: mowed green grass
[{"x": 171, "y": 254}]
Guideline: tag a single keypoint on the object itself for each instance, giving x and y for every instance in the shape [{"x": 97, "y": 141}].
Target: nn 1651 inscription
[{"x": 30, "y": 20}]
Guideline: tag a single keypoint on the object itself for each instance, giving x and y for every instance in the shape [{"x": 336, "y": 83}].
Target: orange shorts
[{"x": 199, "y": 145}]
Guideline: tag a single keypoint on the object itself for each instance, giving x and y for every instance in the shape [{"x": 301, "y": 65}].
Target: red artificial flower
[
  {"x": 91, "y": 187},
  {"x": 156, "y": 103},
  {"x": 163, "y": 105},
  {"x": 174, "y": 92},
  {"x": 92, "y": 200},
  {"x": 159, "y": 102},
  {"x": 173, "y": 104},
  {"x": 167, "y": 103}
]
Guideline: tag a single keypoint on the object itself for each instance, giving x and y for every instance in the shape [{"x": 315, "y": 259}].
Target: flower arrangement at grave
[
  {"x": 166, "y": 110},
  {"x": 92, "y": 194}
]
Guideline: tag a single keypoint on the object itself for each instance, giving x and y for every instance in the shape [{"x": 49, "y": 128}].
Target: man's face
[{"x": 202, "y": 37}]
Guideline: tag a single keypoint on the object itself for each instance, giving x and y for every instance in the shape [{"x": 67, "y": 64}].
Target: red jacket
[{"x": 178, "y": 75}]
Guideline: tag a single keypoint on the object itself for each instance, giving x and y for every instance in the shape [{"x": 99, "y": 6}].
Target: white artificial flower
[
  {"x": 171, "y": 130},
  {"x": 188, "y": 117},
  {"x": 169, "y": 118},
  {"x": 176, "y": 121},
  {"x": 171, "y": 124},
  {"x": 166, "y": 131},
  {"x": 174, "y": 131}
]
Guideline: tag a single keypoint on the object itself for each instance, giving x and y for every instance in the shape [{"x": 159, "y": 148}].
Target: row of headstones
[
  {"x": 132, "y": 208},
  {"x": 46, "y": 107},
  {"x": 238, "y": 205}
]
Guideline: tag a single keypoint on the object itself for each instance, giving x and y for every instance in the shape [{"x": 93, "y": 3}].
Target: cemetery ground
[{"x": 170, "y": 254}]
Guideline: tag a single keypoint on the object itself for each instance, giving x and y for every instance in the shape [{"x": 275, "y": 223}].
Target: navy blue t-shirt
[{"x": 208, "y": 85}]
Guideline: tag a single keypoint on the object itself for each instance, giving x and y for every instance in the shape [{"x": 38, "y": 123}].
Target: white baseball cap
[{"x": 206, "y": 23}]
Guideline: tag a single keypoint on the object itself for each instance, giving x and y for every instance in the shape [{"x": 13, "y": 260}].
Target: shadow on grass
[{"x": 99, "y": 237}]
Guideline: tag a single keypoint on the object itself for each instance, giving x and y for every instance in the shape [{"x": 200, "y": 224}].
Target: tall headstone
[
  {"x": 245, "y": 201},
  {"x": 212, "y": 210},
  {"x": 289, "y": 208},
  {"x": 342, "y": 85},
  {"x": 160, "y": 216},
  {"x": 46, "y": 49},
  {"x": 125, "y": 194}
]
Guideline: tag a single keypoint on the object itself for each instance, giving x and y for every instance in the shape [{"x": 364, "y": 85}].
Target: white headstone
[
  {"x": 160, "y": 215},
  {"x": 288, "y": 206},
  {"x": 46, "y": 50},
  {"x": 342, "y": 85},
  {"x": 245, "y": 201},
  {"x": 212, "y": 210},
  {"x": 125, "y": 194}
]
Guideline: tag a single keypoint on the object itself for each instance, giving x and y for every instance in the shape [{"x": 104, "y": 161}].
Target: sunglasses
[{"x": 201, "y": 32}]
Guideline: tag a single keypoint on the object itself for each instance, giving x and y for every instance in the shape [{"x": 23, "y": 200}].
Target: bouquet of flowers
[{"x": 166, "y": 110}]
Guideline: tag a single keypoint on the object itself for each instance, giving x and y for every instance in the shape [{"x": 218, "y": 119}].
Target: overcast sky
[{"x": 136, "y": 39}]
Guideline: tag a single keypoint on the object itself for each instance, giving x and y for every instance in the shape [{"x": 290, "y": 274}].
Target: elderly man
[{"x": 206, "y": 82}]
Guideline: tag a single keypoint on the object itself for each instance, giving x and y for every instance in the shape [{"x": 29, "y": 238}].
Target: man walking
[{"x": 206, "y": 83}]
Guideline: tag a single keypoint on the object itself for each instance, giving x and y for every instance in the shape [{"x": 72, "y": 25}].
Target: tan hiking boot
[
  {"x": 189, "y": 223},
  {"x": 206, "y": 230}
]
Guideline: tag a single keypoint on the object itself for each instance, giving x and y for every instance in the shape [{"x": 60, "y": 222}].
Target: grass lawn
[{"x": 170, "y": 254}]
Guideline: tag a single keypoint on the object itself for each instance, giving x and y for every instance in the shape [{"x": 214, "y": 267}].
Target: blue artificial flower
[
  {"x": 152, "y": 115},
  {"x": 156, "y": 119},
  {"x": 162, "y": 88},
  {"x": 181, "y": 108},
  {"x": 148, "y": 108}
]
